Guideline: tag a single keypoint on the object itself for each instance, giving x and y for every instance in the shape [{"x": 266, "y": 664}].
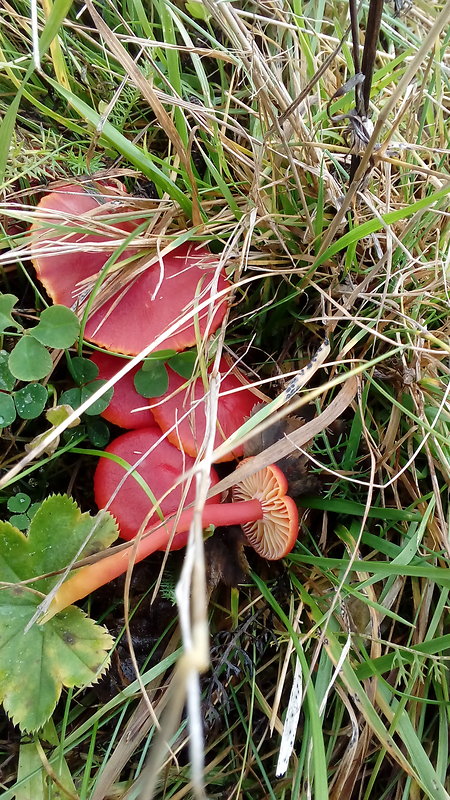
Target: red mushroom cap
[
  {"x": 149, "y": 303},
  {"x": 125, "y": 397},
  {"x": 148, "y": 307},
  {"x": 161, "y": 469},
  {"x": 233, "y": 410},
  {"x": 274, "y": 535},
  {"x": 60, "y": 274}
]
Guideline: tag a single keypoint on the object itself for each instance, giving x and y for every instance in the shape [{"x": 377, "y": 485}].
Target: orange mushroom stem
[{"x": 268, "y": 516}]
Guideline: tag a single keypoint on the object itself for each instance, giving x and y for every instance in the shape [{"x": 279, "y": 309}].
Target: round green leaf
[
  {"x": 29, "y": 361},
  {"x": 7, "y": 379},
  {"x": 20, "y": 521},
  {"x": 152, "y": 379},
  {"x": 74, "y": 436},
  {"x": 30, "y": 400},
  {"x": 32, "y": 509},
  {"x": 57, "y": 327},
  {"x": 82, "y": 370},
  {"x": 184, "y": 363},
  {"x": 98, "y": 432},
  {"x": 72, "y": 398},
  {"x": 7, "y": 303},
  {"x": 100, "y": 404},
  {"x": 7, "y": 410},
  {"x": 18, "y": 503}
]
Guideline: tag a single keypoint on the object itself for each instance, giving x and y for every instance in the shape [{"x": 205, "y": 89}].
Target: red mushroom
[
  {"x": 267, "y": 515},
  {"x": 148, "y": 304},
  {"x": 61, "y": 274},
  {"x": 160, "y": 470},
  {"x": 182, "y": 410},
  {"x": 121, "y": 409}
]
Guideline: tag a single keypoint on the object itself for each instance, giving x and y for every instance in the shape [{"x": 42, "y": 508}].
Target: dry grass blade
[
  {"x": 427, "y": 45},
  {"x": 296, "y": 439},
  {"x": 237, "y": 110}
]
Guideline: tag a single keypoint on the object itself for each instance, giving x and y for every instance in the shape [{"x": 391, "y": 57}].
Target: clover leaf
[
  {"x": 30, "y": 400},
  {"x": 69, "y": 650},
  {"x": 7, "y": 303},
  {"x": 152, "y": 379},
  {"x": 29, "y": 361},
  {"x": 184, "y": 363},
  {"x": 7, "y": 410},
  {"x": 58, "y": 327},
  {"x": 7, "y": 379}
]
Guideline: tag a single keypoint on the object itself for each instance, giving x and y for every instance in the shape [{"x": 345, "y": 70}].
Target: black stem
[
  {"x": 370, "y": 48},
  {"x": 362, "y": 92}
]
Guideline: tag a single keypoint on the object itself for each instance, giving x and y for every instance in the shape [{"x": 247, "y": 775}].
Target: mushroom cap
[
  {"x": 125, "y": 397},
  {"x": 233, "y": 410},
  {"x": 60, "y": 274},
  {"x": 160, "y": 470},
  {"x": 148, "y": 304},
  {"x": 274, "y": 535}
]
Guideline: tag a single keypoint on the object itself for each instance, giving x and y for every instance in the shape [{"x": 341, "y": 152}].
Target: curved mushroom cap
[
  {"x": 160, "y": 470},
  {"x": 147, "y": 305},
  {"x": 274, "y": 535},
  {"x": 125, "y": 399},
  {"x": 60, "y": 274},
  {"x": 233, "y": 410}
]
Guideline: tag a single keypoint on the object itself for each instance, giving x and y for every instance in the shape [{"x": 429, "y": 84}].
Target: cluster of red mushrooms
[{"x": 123, "y": 324}]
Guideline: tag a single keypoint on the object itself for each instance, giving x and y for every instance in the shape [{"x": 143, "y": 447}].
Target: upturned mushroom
[
  {"x": 158, "y": 465},
  {"x": 165, "y": 288},
  {"x": 260, "y": 504}
]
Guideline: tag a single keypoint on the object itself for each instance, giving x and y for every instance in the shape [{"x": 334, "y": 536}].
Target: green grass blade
[{"x": 129, "y": 150}]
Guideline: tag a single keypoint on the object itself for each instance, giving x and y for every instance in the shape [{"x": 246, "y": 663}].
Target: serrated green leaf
[
  {"x": 7, "y": 303},
  {"x": 58, "y": 327},
  {"x": 30, "y": 401},
  {"x": 152, "y": 379},
  {"x": 18, "y": 503},
  {"x": 7, "y": 410},
  {"x": 82, "y": 370},
  {"x": 7, "y": 379},
  {"x": 29, "y": 361},
  {"x": 57, "y": 532},
  {"x": 103, "y": 402},
  {"x": 184, "y": 363},
  {"x": 70, "y": 649}
]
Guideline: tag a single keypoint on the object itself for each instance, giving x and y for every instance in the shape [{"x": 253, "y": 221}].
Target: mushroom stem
[{"x": 91, "y": 577}]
